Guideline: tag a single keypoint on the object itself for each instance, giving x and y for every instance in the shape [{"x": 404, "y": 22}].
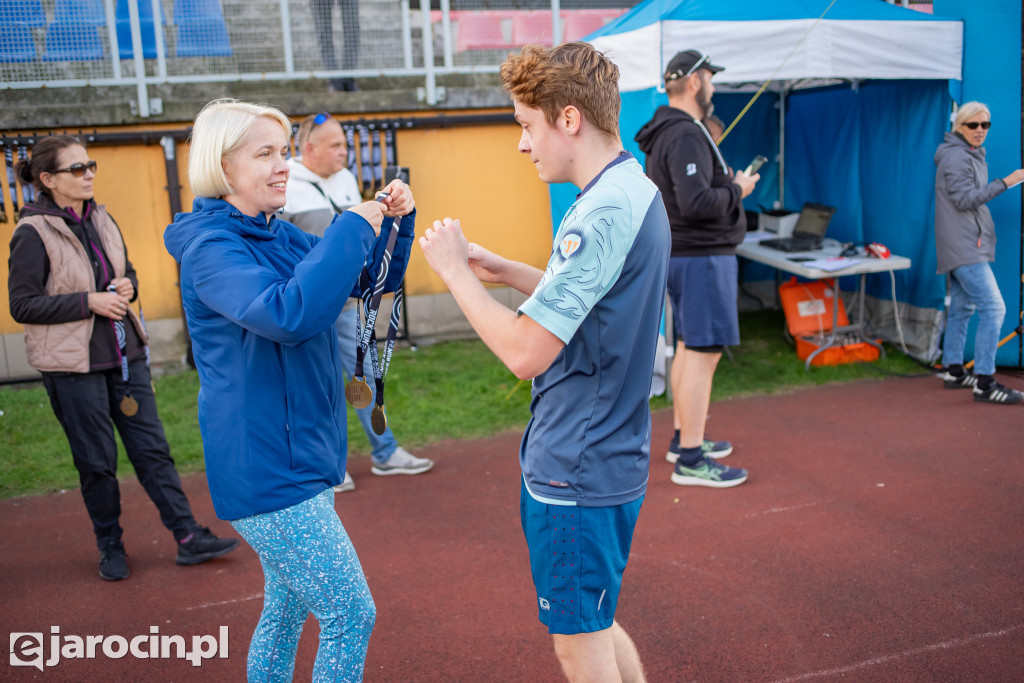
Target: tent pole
[{"x": 782, "y": 146}]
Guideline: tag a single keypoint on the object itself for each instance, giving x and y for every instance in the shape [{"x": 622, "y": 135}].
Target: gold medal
[
  {"x": 129, "y": 406},
  {"x": 378, "y": 420},
  {"x": 358, "y": 393}
]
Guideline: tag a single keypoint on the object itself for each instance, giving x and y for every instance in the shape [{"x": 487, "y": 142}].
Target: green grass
[{"x": 452, "y": 390}]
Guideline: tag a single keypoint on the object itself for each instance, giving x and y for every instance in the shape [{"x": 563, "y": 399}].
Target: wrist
[{"x": 456, "y": 276}]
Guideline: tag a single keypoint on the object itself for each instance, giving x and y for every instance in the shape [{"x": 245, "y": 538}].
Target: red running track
[{"x": 879, "y": 538}]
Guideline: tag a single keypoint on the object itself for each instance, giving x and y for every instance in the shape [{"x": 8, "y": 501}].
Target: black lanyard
[
  {"x": 129, "y": 406},
  {"x": 358, "y": 392}
]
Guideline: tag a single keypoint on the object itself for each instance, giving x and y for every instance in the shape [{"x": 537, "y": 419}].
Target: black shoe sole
[
  {"x": 982, "y": 399},
  {"x": 199, "y": 558},
  {"x": 115, "y": 578}
]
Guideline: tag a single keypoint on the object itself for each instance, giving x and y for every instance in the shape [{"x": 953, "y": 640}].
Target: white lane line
[
  {"x": 787, "y": 509},
  {"x": 946, "y": 645},
  {"x": 225, "y": 602}
]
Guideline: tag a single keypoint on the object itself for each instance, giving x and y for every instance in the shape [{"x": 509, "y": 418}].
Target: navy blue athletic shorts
[
  {"x": 577, "y": 557},
  {"x": 703, "y": 291}
]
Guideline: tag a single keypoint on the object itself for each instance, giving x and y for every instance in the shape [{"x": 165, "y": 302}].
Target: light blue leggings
[{"x": 309, "y": 565}]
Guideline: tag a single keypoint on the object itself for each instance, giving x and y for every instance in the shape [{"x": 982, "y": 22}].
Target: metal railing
[{"x": 141, "y": 43}]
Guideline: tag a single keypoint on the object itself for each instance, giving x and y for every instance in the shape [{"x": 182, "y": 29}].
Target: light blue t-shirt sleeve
[{"x": 590, "y": 249}]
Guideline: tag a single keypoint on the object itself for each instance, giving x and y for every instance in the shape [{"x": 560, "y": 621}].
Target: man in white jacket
[{"x": 319, "y": 186}]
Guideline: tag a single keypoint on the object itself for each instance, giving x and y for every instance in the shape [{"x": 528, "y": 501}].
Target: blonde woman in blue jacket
[{"x": 261, "y": 297}]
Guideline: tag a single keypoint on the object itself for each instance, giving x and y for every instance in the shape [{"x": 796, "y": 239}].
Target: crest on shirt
[
  {"x": 691, "y": 169},
  {"x": 569, "y": 244}
]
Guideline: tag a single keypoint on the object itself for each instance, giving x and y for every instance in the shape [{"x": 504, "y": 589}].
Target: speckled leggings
[{"x": 309, "y": 565}]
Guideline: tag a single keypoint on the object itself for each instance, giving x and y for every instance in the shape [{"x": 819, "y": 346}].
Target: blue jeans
[
  {"x": 973, "y": 288},
  {"x": 384, "y": 445},
  {"x": 309, "y": 565}
]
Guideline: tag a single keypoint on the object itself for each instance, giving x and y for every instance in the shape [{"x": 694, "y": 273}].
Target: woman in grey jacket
[{"x": 965, "y": 243}]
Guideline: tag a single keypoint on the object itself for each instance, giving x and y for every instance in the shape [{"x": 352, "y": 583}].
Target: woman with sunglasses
[
  {"x": 261, "y": 297},
  {"x": 965, "y": 243},
  {"x": 71, "y": 285}
]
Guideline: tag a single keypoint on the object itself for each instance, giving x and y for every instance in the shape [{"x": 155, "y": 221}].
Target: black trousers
[
  {"x": 88, "y": 408},
  {"x": 325, "y": 32}
]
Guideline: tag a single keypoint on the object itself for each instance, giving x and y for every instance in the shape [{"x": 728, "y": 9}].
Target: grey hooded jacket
[{"x": 964, "y": 230}]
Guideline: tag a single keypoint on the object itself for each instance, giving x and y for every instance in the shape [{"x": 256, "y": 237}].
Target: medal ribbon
[
  {"x": 122, "y": 346},
  {"x": 371, "y": 306}
]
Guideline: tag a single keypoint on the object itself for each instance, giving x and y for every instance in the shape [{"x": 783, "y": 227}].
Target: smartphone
[{"x": 755, "y": 165}]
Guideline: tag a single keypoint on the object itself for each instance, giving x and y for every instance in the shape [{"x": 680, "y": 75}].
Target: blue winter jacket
[{"x": 261, "y": 300}]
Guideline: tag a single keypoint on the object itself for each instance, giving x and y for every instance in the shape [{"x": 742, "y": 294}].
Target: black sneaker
[
  {"x": 965, "y": 381},
  {"x": 201, "y": 545},
  {"x": 997, "y": 393},
  {"x": 113, "y": 561}
]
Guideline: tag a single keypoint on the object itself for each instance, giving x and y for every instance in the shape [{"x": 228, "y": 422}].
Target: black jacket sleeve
[
  {"x": 693, "y": 170},
  {"x": 29, "y": 268}
]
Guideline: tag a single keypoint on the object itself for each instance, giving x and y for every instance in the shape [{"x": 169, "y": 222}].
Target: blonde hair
[
  {"x": 218, "y": 131},
  {"x": 969, "y": 110}
]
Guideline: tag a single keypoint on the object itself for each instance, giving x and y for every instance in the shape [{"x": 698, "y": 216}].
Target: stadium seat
[
  {"x": 81, "y": 12},
  {"x": 16, "y": 44},
  {"x": 185, "y": 10},
  {"x": 70, "y": 41},
  {"x": 22, "y": 13},
  {"x": 582, "y": 22},
  {"x": 480, "y": 31},
  {"x": 203, "y": 37},
  {"x": 532, "y": 26},
  {"x": 124, "y": 38},
  {"x": 145, "y": 10}
]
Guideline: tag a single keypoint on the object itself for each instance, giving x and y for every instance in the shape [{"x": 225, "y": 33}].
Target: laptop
[{"x": 808, "y": 232}]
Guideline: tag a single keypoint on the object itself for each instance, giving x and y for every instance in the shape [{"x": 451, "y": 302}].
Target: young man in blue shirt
[{"x": 587, "y": 337}]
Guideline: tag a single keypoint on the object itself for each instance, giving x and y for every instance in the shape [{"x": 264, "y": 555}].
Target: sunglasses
[
  {"x": 973, "y": 125},
  {"x": 321, "y": 118},
  {"x": 703, "y": 59},
  {"x": 693, "y": 69},
  {"x": 78, "y": 170}
]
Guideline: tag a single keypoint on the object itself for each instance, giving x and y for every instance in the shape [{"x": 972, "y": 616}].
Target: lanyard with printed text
[
  {"x": 129, "y": 406},
  {"x": 357, "y": 391}
]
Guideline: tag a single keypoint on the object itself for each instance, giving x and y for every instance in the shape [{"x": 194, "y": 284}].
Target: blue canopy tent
[{"x": 857, "y": 103}]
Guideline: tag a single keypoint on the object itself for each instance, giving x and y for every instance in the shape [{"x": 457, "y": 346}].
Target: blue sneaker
[
  {"x": 712, "y": 449},
  {"x": 708, "y": 473}
]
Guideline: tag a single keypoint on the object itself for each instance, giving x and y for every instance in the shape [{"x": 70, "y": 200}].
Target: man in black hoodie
[{"x": 704, "y": 200}]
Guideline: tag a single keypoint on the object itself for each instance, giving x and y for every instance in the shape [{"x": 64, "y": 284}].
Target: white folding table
[{"x": 802, "y": 264}]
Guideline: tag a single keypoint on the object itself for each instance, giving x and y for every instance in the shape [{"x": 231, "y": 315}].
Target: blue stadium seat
[
  {"x": 82, "y": 12},
  {"x": 71, "y": 41},
  {"x": 203, "y": 37},
  {"x": 22, "y": 13},
  {"x": 16, "y": 44},
  {"x": 195, "y": 9},
  {"x": 124, "y": 38},
  {"x": 145, "y": 11}
]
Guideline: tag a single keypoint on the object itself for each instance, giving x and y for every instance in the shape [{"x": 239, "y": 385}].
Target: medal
[
  {"x": 366, "y": 336},
  {"x": 129, "y": 406},
  {"x": 378, "y": 420},
  {"x": 358, "y": 393}
]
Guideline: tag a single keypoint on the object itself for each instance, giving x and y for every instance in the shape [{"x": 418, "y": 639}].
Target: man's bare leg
[
  {"x": 599, "y": 657},
  {"x": 692, "y": 396}
]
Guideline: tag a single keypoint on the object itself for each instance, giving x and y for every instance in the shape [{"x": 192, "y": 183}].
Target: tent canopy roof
[{"x": 783, "y": 39}]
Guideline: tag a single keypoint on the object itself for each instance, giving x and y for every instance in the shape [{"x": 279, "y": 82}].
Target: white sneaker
[
  {"x": 348, "y": 485},
  {"x": 402, "y": 462}
]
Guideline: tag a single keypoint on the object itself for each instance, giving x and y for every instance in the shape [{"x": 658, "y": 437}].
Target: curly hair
[{"x": 571, "y": 74}]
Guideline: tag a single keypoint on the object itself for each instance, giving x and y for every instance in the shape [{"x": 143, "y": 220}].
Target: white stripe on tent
[{"x": 753, "y": 50}]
